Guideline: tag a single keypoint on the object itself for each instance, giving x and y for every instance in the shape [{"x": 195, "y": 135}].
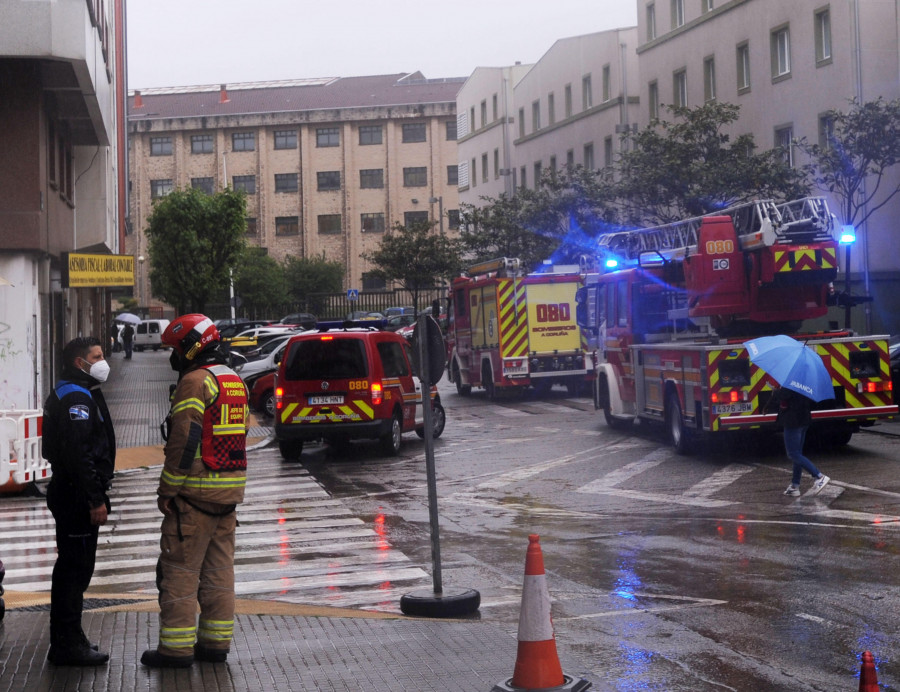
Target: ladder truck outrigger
[
  {"x": 668, "y": 328},
  {"x": 509, "y": 331}
]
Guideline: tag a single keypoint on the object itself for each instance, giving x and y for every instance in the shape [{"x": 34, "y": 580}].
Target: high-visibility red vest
[{"x": 224, "y": 442}]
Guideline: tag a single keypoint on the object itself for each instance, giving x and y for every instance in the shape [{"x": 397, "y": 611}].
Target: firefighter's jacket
[
  {"x": 208, "y": 430},
  {"x": 78, "y": 437}
]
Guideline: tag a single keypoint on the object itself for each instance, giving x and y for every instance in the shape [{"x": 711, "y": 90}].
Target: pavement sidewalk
[{"x": 277, "y": 646}]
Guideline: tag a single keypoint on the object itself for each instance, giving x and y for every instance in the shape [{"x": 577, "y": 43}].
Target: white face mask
[{"x": 99, "y": 370}]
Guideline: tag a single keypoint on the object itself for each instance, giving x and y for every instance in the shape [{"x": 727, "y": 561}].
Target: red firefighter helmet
[{"x": 188, "y": 335}]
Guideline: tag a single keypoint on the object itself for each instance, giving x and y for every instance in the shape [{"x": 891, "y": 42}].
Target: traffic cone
[
  {"x": 868, "y": 678},
  {"x": 537, "y": 663}
]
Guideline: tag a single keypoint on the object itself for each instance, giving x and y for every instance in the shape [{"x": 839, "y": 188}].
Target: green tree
[
  {"x": 259, "y": 281},
  {"x": 195, "y": 240},
  {"x": 690, "y": 166},
  {"x": 860, "y": 147},
  {"x": 415, "y": 257},
  {"x": 307, "y": 278}
]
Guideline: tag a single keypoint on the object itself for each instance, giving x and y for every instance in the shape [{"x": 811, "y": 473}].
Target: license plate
[
  {"x": 740, "y": 407},
  {"x": 329, "y": 399}
]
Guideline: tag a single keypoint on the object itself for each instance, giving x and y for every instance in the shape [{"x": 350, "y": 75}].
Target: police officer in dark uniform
[{"x": 80, "y": 444}]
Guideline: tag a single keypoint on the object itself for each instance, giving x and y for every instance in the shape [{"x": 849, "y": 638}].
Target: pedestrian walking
[
  {"x": 80, "y": 444},
  {"x": 128, "y": 340},
  {"x": 201, "y": 484},
  {"x": 795, "y": 417}
]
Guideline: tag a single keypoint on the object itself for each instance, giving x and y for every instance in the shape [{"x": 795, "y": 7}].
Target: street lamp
[
  {"x": 440, "y": 201},
  {"x": 140, "y": 280},
  {"x": 848, "y": 237}
]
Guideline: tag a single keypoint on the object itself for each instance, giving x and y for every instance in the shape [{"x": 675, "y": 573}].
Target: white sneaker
[
  {"x": 793, "y": 491},
  {"x": 820, "y": 483}
]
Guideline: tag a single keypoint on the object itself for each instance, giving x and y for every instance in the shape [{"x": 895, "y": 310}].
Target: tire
[
  {"x": 438, "y": 421},
  {"x": 390, "y": 442},
  {"x": 447, "y": 604},
  {"x": 290, "y": 449},
  {"x": 267, "y": 404},
  {"x": 487, "y": 381},
  {"x": 611, "y": 420},
  {"x": 678, "y": 434},
  {"x": 461, "y": 389}
]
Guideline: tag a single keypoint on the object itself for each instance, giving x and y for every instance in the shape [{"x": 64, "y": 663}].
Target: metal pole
[
  {"x": 428, "y": 422},
  {"x": 849, "y": 303},
  {"x": 441, "y": 213}
]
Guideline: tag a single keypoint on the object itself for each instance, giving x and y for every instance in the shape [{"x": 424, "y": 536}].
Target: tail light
[
  {"x": 377, "y": 393},
  {"x": 873, "y": 387},
  {"x": 279, "y": 395}
]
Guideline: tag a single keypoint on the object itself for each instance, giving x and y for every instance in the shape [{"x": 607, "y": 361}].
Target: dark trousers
[
  {"x": 76, "y": 543},
  {"x": 128, "y": 346}
]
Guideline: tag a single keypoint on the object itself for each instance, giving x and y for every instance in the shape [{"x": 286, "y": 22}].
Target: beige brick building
[{"x": 327, "y": 165}]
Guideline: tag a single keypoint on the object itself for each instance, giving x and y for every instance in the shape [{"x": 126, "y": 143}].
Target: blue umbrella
[{"x": 793, "y": 365}]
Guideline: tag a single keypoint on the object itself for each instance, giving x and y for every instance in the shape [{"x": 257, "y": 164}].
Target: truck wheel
[
  {"x": 461, "y": 389},
  {"x": 487, "y": 381},
  {"x": 678, "y": 433},
  {"x": 610, "y": 419},
  {"x": 438, "y": 420},
  {"x": 390, "y": 441},
  {"x": 290, "y": 449}
]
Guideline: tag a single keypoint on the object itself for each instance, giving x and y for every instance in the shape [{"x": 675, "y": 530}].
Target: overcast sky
[{"x": 193, "y": 42}]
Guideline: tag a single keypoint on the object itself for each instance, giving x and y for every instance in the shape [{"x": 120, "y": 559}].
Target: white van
[{"x": 148, "y": 334}]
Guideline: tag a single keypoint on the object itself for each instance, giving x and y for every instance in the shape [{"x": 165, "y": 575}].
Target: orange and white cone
[
  {"x": 537, "y": 663},
  {"x": 868, "y": 678}
]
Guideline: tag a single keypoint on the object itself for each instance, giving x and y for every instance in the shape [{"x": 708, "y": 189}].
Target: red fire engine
[
  {"x": 669, "y": 329},
  {"x": 509, "y": 331}
]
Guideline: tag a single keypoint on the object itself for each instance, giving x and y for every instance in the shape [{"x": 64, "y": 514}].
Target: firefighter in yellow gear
[{"x": 201, "y": 484}]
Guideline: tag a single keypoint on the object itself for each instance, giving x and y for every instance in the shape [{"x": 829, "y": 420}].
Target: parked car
[
  {"x": 406, "y": 310},
  {"x": 262, "y": 392},
  {"x": 229, "y": 331},
  {"x": 394, "y": 322},
  {"x": 252, "y": 338},
  {"x": 364, "y": 316},
  {"x": 306, "y": 320},
  {"x": 229, "y": 322},
  {"x": 343, "y": 384},
  {"x": 274, "y": 350},
  {"x": 148, "y": 334}
]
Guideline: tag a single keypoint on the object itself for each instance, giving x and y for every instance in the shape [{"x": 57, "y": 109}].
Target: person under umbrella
[{"x": 800, "y": 378}]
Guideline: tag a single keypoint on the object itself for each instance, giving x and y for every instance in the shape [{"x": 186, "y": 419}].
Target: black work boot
[
  {"x": 73, "y": 653},
  {"x": 202, "y": 653},
  {"x": 153, "y": 659}
]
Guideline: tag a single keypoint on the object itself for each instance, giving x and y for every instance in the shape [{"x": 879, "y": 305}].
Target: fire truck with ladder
[
  {"x": 508, "y": 331},
  {"x": 668, "y": 328}
]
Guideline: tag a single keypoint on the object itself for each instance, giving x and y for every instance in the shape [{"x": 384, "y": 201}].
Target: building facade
[
  {"x": 61, "y": 86},
  {"x": 327, "y": 165}
]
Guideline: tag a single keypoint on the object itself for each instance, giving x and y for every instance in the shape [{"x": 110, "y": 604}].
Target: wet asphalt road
[{"x": 666, "y": 572}]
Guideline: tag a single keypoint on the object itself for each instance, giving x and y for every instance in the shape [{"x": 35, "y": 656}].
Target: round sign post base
[{"x": 449, "y": 603}]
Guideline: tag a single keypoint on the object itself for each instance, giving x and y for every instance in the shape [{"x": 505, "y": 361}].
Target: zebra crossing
[{"x": 295, "y": 543}]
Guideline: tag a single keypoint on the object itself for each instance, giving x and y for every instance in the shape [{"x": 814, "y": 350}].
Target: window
[
  {"x": 706, "y": 6},
  {"x": 285, "y": 139},
  {"x": 244, "y": 183},
  {"x": 551, "y": 109},
  {"x": 451, "y": 130},
  {"x": 415, "y": 176},
  {"x": 329, "y": 224},
  {"x": 570, "y": 159},
  {"x": 494, "y": 106},
  {"x": 372, "y": 223},
  {"x": 496, "y": 164},
  {"x": 160, "y": 146},
  {"x": 484, "y": 168},
  {"x": 370, "y": 134},
  {"x": 472, "y": 118},
  {"x": 286, "y": 182},
  {"x": 587, "y": 96},
  {"x": 567, "y": 97},
  {"x": 781, "y": 52},
  {"x": 243, "y": 141},
  {"x": 823, "y": 35},
  {"x": 201, "y": 144},
  {"x": 523, "y": 177},
  {"x": 538, "y": 169},
  {"x": 553, "y": 167},
  {"x": 453, "y": 219},
  {"x": 328, "y": 137},
  {"x": 743, "y": 67},
  {"x": 651, "y": 21},
  {"x": 51, "y": 152},
  {"x": 521, "y": 122},
  {"x": 608, "y": 151},
  {"x": 412, "y": 217},
  {"x": 287, "y": 225},
  {"x": 709, "y": 79},
  {"x": 328, "y": 180},
  {"x": 371, "y": 178},
  {"x": 826, "y": 131},
  {"x": 784, "y": 140},
  {"x": 453, "y": 175},
  {"x": 483, "y": 113},
  {"x": 535, "y": 116},
  {"x": 677, "y": 13},
  {"x": 252, "y": 226},
  {"x": 203, "y": 184},
  {"x": 413, "y": 132},
  {"x": 605, "y": 83},
  {"x": 160, "y": 188},
  {"x": 679, "y": 88},
  {"x": 653, "y": 100},
  {"x": 373, "y": 283},
  {"x": 474, "y": 172},
  {"x": 589, "y": 156}
]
